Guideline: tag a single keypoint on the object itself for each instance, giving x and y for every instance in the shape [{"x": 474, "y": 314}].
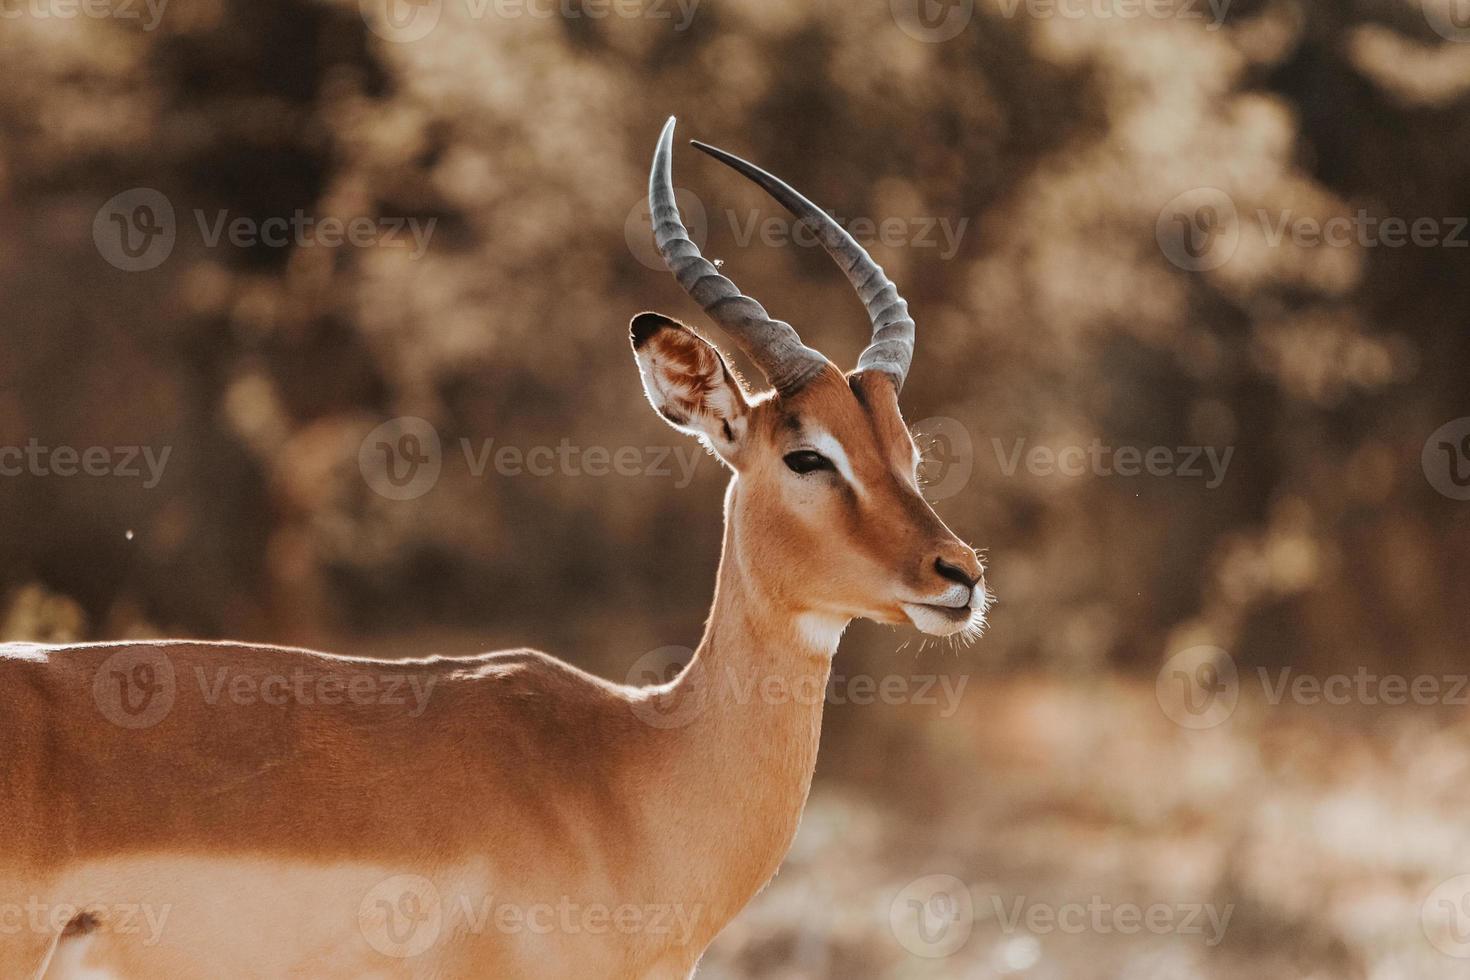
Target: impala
[{"x": 191, "y": 809}]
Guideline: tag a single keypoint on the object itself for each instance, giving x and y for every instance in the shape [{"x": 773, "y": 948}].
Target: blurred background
[{"x": 315, "y": 333}]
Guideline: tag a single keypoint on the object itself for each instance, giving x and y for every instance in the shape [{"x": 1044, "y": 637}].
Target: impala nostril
[{"x": 955, "y": 574}]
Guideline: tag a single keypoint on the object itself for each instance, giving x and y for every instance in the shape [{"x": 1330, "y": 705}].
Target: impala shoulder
[{"x": 531, "y": 670}]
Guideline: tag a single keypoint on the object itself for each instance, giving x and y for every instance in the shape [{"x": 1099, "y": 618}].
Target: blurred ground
[{"x": 1166, "y": 232}]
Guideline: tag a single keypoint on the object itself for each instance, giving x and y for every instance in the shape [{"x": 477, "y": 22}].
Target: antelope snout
[
  {"x": 968, "y": 577},
  {"x": 954, "y": 598},
  {"x": 957, "y": 563}
]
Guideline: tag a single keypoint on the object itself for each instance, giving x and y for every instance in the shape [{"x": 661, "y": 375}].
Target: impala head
[{"x": 825, "y": 510}]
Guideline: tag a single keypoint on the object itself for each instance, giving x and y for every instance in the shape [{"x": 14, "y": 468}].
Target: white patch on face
[{"x": 828, "y": 446}]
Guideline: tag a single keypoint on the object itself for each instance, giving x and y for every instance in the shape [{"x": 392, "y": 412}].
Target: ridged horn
[
  {"x": 772, "y": 344},
  {"x": 891, "y": 350}
]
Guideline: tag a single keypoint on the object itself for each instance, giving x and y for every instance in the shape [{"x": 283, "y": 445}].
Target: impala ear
[{"x": 689, "y": 384}]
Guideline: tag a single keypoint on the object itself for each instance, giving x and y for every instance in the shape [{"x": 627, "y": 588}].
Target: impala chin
[{"x": 945, "y": 619}]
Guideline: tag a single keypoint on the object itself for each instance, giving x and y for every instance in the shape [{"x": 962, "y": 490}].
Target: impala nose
[{"x": 967, "y": 575}]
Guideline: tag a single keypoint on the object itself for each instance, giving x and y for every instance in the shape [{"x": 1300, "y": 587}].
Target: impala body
[{"x": 186, "y": 809}]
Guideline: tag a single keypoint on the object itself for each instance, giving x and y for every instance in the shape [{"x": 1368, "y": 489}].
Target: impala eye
[{"x": 806, "y": 461}]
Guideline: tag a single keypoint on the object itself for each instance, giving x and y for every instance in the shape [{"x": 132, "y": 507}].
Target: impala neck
[{"x": 754, "y": 693}]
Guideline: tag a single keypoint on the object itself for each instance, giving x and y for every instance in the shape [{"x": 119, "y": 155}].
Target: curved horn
[
  {"x": 772, "y": 344},
  {"x": 892, "y": 348}
]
